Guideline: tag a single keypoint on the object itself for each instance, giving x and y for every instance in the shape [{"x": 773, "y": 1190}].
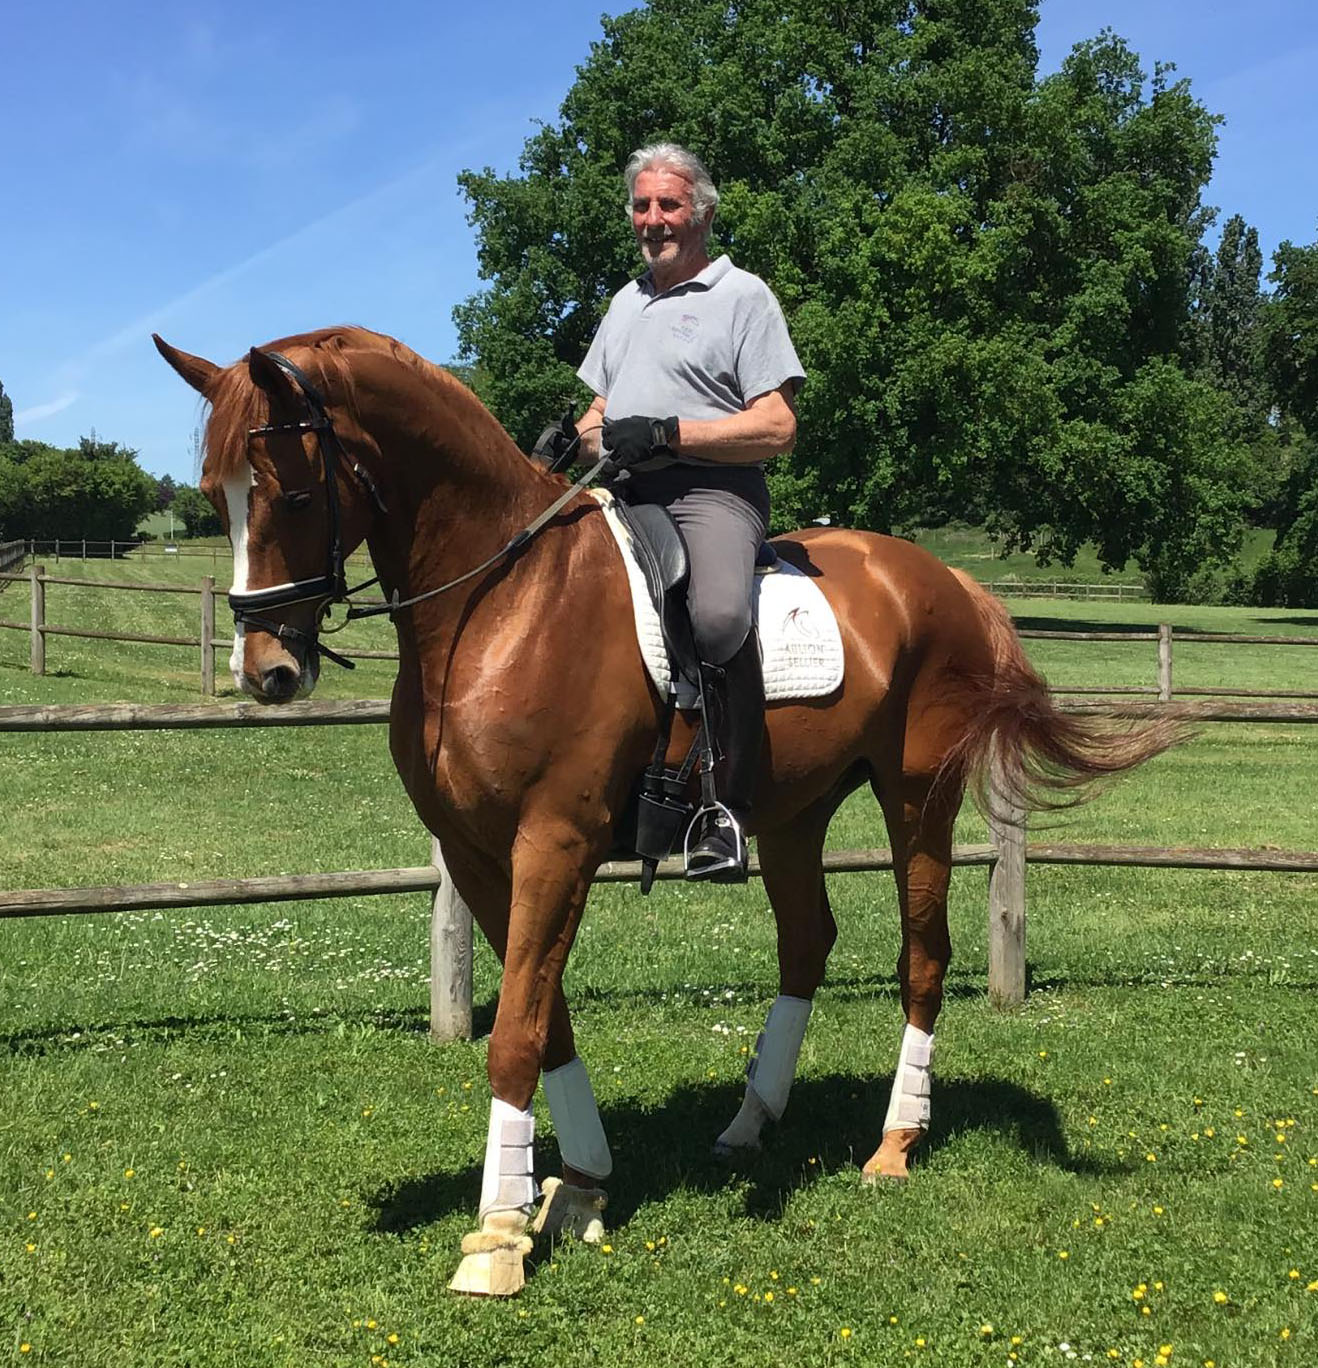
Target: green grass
[
  {"x": 309, "y": 1161},
  {"x": 970, "y": 549}
]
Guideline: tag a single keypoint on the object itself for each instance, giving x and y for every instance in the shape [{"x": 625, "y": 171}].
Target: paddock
[{"x": 282, "y": 1054}]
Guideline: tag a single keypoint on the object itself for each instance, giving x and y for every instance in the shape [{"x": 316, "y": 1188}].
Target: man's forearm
[{"x": 738, "y": 439}]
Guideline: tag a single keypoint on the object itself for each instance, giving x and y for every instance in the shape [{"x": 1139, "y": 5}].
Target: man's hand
[
  {"x": 554, "y": 442},
  {"x": 632, "y": 441}
]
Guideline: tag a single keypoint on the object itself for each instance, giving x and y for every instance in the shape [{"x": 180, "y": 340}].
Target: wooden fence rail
[
  {"x": 1006, "y": 857},
  {"x": 1163, "y": 636}
]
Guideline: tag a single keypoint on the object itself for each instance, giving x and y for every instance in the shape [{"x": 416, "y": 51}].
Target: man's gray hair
[{"x": 654, "y": 156}]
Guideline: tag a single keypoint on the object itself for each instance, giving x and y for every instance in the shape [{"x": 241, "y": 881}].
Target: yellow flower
[
  {"x": 892, "y": 1320},
  {"x": 31, "y": 1248},
  {"x": 1276, "y": 1182},
  {"x": 1063, "y": 1254},
  {"x": 1151, "y": 1157},
  {"x": 1294, "y": 1273},
  {"x": 919, "y": 1343},
  {"x": 768, "y": 1296},
  {"x": 640, "y": 1320},
  {"x": 607, "y": 1249},
  {"x": 1157, "y": 1211},
  {"x": 1137, "y": 1293},
  {"x": 1165, "y": 1350},
  {"x": 1145, "y": 1311},
  {"x": 1220, "y": 1297},
  {"x": 1285, "y": 1332},
  {"x": 371, "y": 1325},
  {"x": 156, "y": 1232},
  {"x": 741, "y": 1289},
  {"x": 649, "y": 1244},
  {"x": 1157, "y": 1287},
  {"x": 1043, "y": 1054},
  {"x": 391, "y": 1339},
  {"x": 130, "y": 1173},
  {"x": 845, "y": 1332},
  {"x": 1114, "y": 1353},
  {"x": 1312, "y": 1287},
  {"x": 1209, "y": 1132},
  {"x": 25, "y": 1348},
  {"x": 986, "y": 1330}
]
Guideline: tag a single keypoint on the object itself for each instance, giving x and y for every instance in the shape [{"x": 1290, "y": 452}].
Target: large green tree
[
  {"x": 1289, "y": 328},
  {"x": 96, "y": 491},
  {"x": 6, "y": 416},
  {"x": 988, "y": 277}
]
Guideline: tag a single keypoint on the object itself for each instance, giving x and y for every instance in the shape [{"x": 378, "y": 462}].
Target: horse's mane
[{"x": 238, "y": 404}]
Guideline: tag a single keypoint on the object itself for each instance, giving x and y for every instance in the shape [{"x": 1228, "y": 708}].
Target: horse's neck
[{"x": 458, "y": 488}]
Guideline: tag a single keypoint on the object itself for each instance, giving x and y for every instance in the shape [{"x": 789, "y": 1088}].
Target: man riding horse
[{"x": 706, "y": 343}]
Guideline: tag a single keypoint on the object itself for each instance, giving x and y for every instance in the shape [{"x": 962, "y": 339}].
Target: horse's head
[{"x": 274, "y": 471}]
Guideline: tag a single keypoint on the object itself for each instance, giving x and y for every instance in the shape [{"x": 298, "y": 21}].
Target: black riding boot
[{"x": 735, "y": 696}]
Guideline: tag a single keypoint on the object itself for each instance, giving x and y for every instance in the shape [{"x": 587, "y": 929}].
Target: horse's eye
[{"x": 298, "y": 498}]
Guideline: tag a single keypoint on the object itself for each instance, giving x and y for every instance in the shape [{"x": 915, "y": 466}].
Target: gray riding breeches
[{"x": 724, "y": 515}]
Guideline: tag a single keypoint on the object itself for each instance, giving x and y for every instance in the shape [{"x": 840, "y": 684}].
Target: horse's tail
[{"x": 1046, "y": 758}]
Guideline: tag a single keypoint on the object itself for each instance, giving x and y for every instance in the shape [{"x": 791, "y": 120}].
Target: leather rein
[{"x": 331, "y": 586}]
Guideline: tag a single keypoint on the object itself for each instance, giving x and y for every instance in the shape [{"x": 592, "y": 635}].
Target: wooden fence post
[
  {"x": 38, "y": 619},
  {"x": 1006, "y": 974},
  {"x": 450, "y": 957},
  {"x": 208, "y": 636},
  {"x": 1164, "y": 662}
]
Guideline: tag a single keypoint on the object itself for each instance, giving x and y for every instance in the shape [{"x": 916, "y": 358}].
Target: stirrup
[{"x": 730, "y": 868}]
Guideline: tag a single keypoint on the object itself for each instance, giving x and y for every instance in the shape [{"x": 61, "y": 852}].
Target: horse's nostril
[{"x": 280, "y": 682}]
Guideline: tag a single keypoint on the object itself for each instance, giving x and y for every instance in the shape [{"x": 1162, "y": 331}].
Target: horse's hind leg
[
  {"x": 920, "y": 820},
  {"x": 794, "y": 880}
]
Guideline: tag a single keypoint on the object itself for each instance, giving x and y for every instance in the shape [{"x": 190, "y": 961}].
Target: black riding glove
[
  {"x": 633, "y": 441},
  {"x": 552, "y": 446}
]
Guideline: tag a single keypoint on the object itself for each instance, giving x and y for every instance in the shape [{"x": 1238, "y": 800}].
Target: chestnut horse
[{"x": 522, "y": 716}]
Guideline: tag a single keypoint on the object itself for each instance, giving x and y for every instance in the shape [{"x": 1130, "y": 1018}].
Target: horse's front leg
[{"x": 550, "y": 881}]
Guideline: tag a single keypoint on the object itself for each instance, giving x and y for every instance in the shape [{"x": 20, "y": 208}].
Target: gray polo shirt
[{"x": 700, "y": 350}]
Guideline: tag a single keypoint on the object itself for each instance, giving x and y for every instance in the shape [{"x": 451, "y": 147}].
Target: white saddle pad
[{"x": 800, "y": 644}]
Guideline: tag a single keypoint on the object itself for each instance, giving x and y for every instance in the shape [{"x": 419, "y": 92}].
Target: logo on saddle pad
[{"x": 800, "y": 644}]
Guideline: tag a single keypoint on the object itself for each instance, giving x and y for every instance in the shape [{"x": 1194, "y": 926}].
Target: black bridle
[{"x": 332, "y": 587}]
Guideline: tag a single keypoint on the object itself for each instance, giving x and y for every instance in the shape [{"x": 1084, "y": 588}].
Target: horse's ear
[
  {"x": 266, "y": 374},
  {"x": 196, "y": 370}
]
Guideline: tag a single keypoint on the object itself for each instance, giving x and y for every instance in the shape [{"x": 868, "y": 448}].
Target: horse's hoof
[
  {"x": 732, "y": 1154},
  {"x": 873, "y": 1178},
  {"x": 569, "y": 1210},
  {"x": 496, "y": 1272}
]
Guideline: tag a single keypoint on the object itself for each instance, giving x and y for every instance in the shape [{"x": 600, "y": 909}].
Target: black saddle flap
[{"x": 662, "y": 555}]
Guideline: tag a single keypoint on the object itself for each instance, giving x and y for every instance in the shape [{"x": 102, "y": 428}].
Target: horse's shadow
[{"x": 662, "y": 1149}]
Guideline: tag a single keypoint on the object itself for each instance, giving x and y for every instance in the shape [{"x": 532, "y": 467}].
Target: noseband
[{"x": 331, "y": 586}]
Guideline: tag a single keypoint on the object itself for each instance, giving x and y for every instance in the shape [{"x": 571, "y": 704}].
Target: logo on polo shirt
[{"x": 686, "y": 327}]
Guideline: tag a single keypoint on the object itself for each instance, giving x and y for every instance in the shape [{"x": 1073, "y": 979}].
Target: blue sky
[{"x": 229, "y": 173}]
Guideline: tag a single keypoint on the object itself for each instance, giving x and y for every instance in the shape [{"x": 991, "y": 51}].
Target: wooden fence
[
  {"x": 1163, "y": 636},
  {"x": 1006, "y": 857},
  {"x": 12, "y": 555}
]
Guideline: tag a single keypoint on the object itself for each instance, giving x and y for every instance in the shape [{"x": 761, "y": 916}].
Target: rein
[{"x": 332, "y": 586}]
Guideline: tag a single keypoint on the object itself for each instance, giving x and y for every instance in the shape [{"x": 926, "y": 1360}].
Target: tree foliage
[
  {"x": 96, "y": 491},
  {"x": 1289, "y": 328},
  {"x": 989, "y": 277},
  {"x": 196, "y": 512},
  {"x": 6, "y": 416}
]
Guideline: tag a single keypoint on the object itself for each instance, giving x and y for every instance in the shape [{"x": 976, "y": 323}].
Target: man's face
[{"x": 667, "y": 230}]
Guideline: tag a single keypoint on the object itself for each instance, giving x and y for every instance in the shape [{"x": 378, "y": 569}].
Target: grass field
[{"x": 227, "y": 1139}]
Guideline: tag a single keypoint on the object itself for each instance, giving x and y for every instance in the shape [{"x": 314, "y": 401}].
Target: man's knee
[{"x": 719, "y": 631}]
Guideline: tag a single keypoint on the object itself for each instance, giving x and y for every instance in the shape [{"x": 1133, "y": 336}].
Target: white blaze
[{"x": 237, "y": 495}]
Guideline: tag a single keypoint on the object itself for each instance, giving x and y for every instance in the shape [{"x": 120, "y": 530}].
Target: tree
[
  {"x": 166, "y": 489},
  {"x": 6, "y": 417},
  {"x": 988, "y": 278},
  {"x": 1289, "y": 327},
  {"x": 196, "y": 512}
]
